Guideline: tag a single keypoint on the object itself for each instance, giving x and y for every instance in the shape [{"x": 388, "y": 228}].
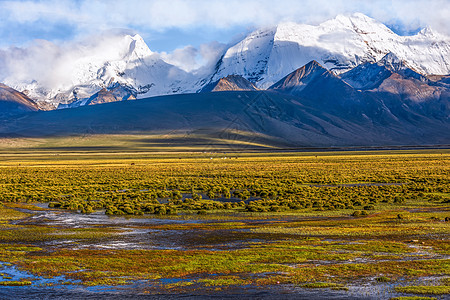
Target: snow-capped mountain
[
  {"x": 340, "y": 44},
  {"x": 311, "y": 107},
  {"x": 128, "y": 62},
  {"x": 123, "y": 67}
]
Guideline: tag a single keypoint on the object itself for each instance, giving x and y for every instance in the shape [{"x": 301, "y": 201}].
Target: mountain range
[
  {"x": 349, "y": 81},
  {"x": 263, "y": 57}
]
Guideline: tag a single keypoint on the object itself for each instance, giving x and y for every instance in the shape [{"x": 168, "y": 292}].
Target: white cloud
[
  {"x": 54, "y": 64},
  {"x": 26, "y": 64},
  {"x": 91, "y": 15},
  {"x": 186, "y": 58},
  {"x": 198, "y": 59},
  {"x": 58, "y": 66}
]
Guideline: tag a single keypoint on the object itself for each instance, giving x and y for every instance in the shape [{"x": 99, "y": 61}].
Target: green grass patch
[
  {"x": 424, "y": 289},
  {"x": 222, "y": 281},
  {"x": 383, "y": 279},
  {"x": 322, "y": 285},
  {"x": 14, "y": 283},
  {"x": 412, "y": 298}
]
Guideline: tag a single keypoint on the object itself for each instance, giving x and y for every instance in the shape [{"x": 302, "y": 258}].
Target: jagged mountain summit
[
  {"x": 113, "y": 93},
  {"x": 13, "y": 102},
  {"x": 323, "y": 90},
  {"x": 398, "y": 92},
  {"x": 392, "y": 78},
  {"x": 370, "y": 75},
  {"x": 298, "y": 80},
  {"x": 230, "y": 83},
  {"x": 317, "y": 86},
  {"x": 341, "y": 44}
]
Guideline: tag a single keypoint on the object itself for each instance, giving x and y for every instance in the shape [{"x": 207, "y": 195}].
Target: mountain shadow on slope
[{"x": 277, "y": 119}]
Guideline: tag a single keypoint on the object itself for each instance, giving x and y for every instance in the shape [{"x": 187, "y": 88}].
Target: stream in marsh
[
  {"x": 129, "y": 233},
  {"x": 137, "y": 233},
  {"x": 44, "y": 288}
]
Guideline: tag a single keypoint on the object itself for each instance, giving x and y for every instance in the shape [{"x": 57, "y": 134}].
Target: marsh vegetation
[{"x": 218, "y": 222}]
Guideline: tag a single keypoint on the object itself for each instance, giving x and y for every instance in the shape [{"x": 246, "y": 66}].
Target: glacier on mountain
[
  {"x": 126, "y": 68},
  {"x": 340, "y": 44}
]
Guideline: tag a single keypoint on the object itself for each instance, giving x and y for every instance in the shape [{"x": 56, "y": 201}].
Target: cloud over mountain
[{"x": 43, "y": 18}]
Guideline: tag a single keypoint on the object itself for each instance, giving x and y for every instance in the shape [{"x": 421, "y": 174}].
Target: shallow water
[
  {"x": 129, "y": 233},
  {"x": 40, "y": 290},
  {"x": 135, "y": 233},
  {"x": 47, "y": 293},
  {"x": 366, "y": 292},
  {"x": 66, "y": 218}
]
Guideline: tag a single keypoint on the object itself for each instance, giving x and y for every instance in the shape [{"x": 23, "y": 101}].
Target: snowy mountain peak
[
  {"x": 262, "y": 57},
  {"x": 358, "y": 23},
  {"x": 138, "y": 49},
  {"x": 390, "y": 58},
  {"x": 429, "y": 32},
  {"x": 392, "y": 62},
  {"x": 248, "y": 57},
  {"x": 253, "y": 40},
  {"x": 339, "y": 45},
  {"x": 110, "y": 59}
]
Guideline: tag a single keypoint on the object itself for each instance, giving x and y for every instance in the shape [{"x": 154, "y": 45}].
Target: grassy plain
[{"x": 303, "y": 219}]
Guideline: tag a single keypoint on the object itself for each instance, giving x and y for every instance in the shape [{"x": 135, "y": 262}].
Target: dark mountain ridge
[
  {"x": 311, "y": 107},
  {"x": 279, "y": 119}
]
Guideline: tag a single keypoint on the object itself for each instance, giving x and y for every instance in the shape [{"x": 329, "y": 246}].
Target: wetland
[{"x": 337, "y": 225}]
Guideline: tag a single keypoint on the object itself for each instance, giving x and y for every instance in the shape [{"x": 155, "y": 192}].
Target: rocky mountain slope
[
  {"x": 323, "y": 90},
  {"x": 113, "y": 93},
  {"x": 371, "y": 75},
  {"x": 230, "y": 83},
  {"x": 391, "y": 80},
  {"x": 14, "y": 102},
  {"x": 382, "y": 92}
]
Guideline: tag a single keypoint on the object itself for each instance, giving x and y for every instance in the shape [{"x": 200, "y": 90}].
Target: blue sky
[{"x": 168, "y": 25}]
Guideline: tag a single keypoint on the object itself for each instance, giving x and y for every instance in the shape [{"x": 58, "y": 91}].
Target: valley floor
[{"x": 335, "y": 225}]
